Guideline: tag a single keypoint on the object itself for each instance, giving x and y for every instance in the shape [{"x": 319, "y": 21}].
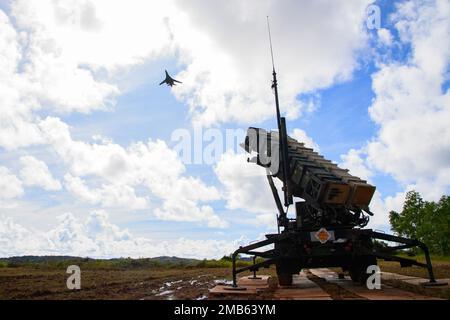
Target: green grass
[
  {"x": 122, "y": 264},
  {"x": 222, "y": 263},
  {"x": 86, "y": 263},
  {"x": 421, "y": 258}
]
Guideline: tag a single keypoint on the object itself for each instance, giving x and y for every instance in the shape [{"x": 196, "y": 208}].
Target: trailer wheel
[
  {"x": 284, "y": 279},
  {"x": 358, "y": 271},
  {"x": 356, "y": 275}
]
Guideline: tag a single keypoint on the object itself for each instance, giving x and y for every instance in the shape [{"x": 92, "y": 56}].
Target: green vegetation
[
  {"x": 59, "y": 262},
  {"x": 426, "y": 221},
  {"x": 434, "y": 258},
  {"x": 225, "y": 262}
]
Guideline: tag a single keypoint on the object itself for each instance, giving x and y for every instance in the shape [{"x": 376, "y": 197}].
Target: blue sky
[{"x": 83, "y": 114}]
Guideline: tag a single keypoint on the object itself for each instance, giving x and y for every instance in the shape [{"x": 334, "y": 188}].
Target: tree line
[{"x": 427, "y": 221}]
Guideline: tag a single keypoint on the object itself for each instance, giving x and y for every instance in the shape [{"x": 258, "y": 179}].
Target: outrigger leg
[
  {"x": 386, "y": 254},
  {"x": 248, "y": 250}
]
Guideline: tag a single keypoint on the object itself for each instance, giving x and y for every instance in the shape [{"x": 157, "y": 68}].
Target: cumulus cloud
[
  {"x": 36, "y": 173},
  {"x": 88, "y": 33},
  {"x": 68, "y": 42},
  {"x": 66, "y": 56},
  {"x": 109, "y": 195},
  {"x": 301, "y": 136},
  {"x": 245, "y": 186},
  {"x": 10, "y": 186},
  {"x": 97, "y": 237},
  {"x": 66, "y": 45},
  {"x": 354, "y": 162},
  {"x": 412, "y": 108},
  {"x": 153, "y": 166},
  {"x": 412, "y": 104},
  {"x": 187, "y": 210},
  {"x": 17, "y": 240},
  {"x": 38, "y": 73},
  {"x": 384, "y": 37},
  {"x": 17, "y": 128},
  {"x": 227, "y": 68}
]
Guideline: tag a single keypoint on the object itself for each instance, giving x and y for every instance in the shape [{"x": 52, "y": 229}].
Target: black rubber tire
[
  {"x": 355, "y": 273},
  {"x": 285, "y": 279},
  {"x": 358, "y": 271}
]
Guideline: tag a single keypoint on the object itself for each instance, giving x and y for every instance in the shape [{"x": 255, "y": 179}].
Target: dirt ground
[
  {"x": 151, "y": 283},
  {"x": 154, "y": 283}
]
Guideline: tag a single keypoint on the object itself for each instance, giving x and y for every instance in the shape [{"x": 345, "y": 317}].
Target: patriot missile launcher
[{"x": 331, "y": 210}]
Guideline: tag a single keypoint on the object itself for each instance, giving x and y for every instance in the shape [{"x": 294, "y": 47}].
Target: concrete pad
[
  {"x": 224, "y": 290},
  {"x": 302, "y": 288},
  {"x": 396, "y": 276},
  {"x": 302, "y": 281},
  {"x": 385, "y": 293},
  {"x": 249, "y": 281},
  {"x": 305, "y": 289},
  {"x": 416, "y": 281},
  {"x": 306, "y": 294},
  {"x": 252, "y": 286},
  {"x": 324, "y": 273},
  {"x": 421, "y": 281}
]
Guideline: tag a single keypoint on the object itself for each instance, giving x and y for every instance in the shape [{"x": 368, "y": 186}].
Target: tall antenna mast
[
  {"x": 282, "y": 135},
  {"x": 275, "y": 83},
  {"x": 270, "y": 41}
]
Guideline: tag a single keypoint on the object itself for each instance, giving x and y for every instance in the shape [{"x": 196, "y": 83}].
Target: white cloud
[
  {"x": 16, "y": 126},
  {"x": 36, "y": 173},
  {"x": 356, "y": 164},
  {"x": 228, "y": 63},
  {"x": 64, "y": 56},
  {"x": 385, "y": 36},
  {"x": 153, "y": 166},
  {"x": 9, "y": 49},
  {"x": 97, "y": 237},
  {"x": 179, "y": 209},
  {"x": 10, "y": 185},
  {"x": 35, "y": 75},
  {"x": 246, "y": 187},
  {"x": 17, "y": 240},
  {"x": 67, "y": 45},
  {"x": 301, "y": 136},
  {"x": 67, "y": 56},
  {"x": 88, "y": 32},
  {"x": 109, "y": 195},
  {"x": 412, "y": 106}
]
